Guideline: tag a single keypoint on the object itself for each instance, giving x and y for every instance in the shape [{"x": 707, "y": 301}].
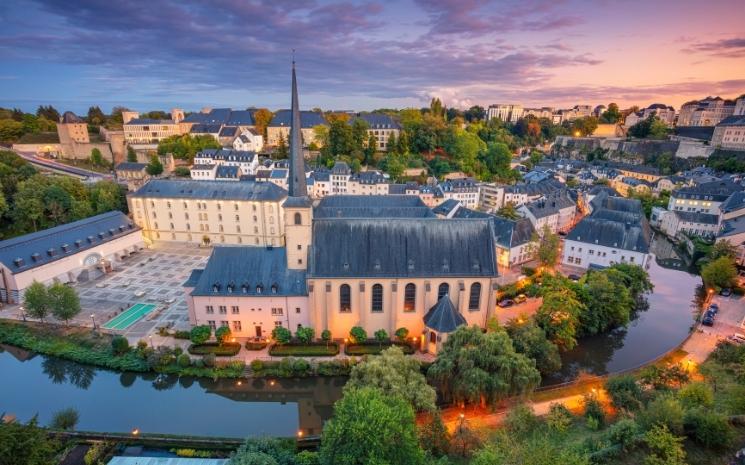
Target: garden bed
[
  {"x": 314, "y": 349},
  {"x": 225, "y": 350},
  {"x": 256, "y": 345},
  {"x": 375, "y": 348}
]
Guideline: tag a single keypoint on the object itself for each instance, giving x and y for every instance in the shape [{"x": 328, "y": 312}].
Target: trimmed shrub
[
  {"x": 281, "y": 335},
  {"x": 305, "y": 334},
  {"x": 357, "y": 335},
  {"x": 342, "y": 367},
  {"x": 183, "y": 360},
  {"x": 381, "y": 335},
  {"x": 182, "y": 335},
  {"x": 402, "y": 334},
  {"x": 374, "y": 348},
  {"x": 254, "y": 345},
  {"x": 326, "y": 335},
  {"x": 319, "y": 349},
  {"x": 209, "y": 360},
  {"x": 257, "y": 365},
  {"x": 225, "y": 350},
  {"x": 223, "y": 335},
  {"x": 119, "y": 345},
  {"x": 200, "y": 334}
]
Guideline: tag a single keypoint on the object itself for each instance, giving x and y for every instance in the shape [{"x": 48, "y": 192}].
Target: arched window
[
  {"x": 474, "y": 299},
  {"x": 377, "y": 298},
  {"x": 345, "y": 298},
  {"x": 443, "y": 290},
  {"x": 298, "y": 218},
  {"x": 410, "y": 297}
]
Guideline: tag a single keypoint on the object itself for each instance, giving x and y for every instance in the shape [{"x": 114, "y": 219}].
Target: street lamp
[
  {"x": 93, "y": 317},
  {"x": 151, "y": 342},
  {"x": 300, "y": 433},
  {"x": 135, "y": 432}
]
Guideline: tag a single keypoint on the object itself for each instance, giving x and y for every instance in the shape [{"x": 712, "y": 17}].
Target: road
[{"x": 60, "y": 167}]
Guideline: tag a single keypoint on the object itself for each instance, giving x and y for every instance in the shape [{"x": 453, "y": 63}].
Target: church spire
[{"x": 297, "y": 187}]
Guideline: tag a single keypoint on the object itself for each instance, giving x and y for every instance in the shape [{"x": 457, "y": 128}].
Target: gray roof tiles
[
  {"x": 211, "y": 190},
  {"x": 253, "y": 271},
  {"x": 443, "y": 317},
  {"x": 372, "y": 206},
  {"x": 51, "y": 244},
  {"x": 410, "y": 247}
]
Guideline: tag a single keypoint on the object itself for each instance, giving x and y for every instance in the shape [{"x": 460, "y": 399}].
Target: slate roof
[
  {"x": 193, "y": 278},
  {"x": 539, "y": 188},
  {"x": 341, "y": 168},
  {"x": 369, "y": 177},
  {"x": 717, "y": 191},
  {"x": 734, "y": 202},
  {"x": 130, "y": 166},
  {"x": 603, "y": 200},
  {"x": 228, "y": 155},
  {"x": 397, "y": 189},
  {"x": 596, "y": 230},
  {"x": 228, "y": 131},
  {"x": 279, "y": 173},
  {"x": 377, "y": 120},
  {"x": 149, "y": 121},
  {"x": 204, "y": 128},
  {"x": 226, "y": 172},
  {"x": 735, "y": 120},
  {"x": 222, "y": 116},
  {"x": 308, "y": 119},
  {"x": 695, "y": 132},
  {"x": 409, "y": 247},
  {"x": 372, "y": 206},
  {"x": 446, "y": 207},
  {"x": 235, "y": 270},
  {"x": 203, "y": 166},
  {"x": 51, "y": 244},
  {"x": 443, "y": 317},
  {"x": 733, "y": 227},
  {"x": 206, "y": 190},
  {"x": 507, "y": 233},
  {"x": 696, "y": 217},
  {"x": 70, "y": 118},
  {"x": 550, "y": 205}
]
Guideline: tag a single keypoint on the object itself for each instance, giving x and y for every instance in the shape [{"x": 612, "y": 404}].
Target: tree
[
  {"x": 381, "y": 336},
  {"x": 722, "y": 248},
  {"x": 530, "y": 339},
  {"x": 185, "y": 146},
  {"x": 262, "y": 117},
  {"x": 625, "y": 392},
  {"x": 106, "y": 196},
  {"x": 649, "y": 128},
  {"x": 357, "y": 335},
  {"x": 326, "y": 336},
  {"x": 370, "y": 427},
  {"x": 119, "y": 345},
  {"x": 708, "y": 428},
  {"x": 48, "y": 112},
  {"x": 547, "y": 246},
  {"x": 65, "y": 419},
  {"x": 263, "y": 451},
  {"x": 305, "y": 334},
  {"x": 96, "y": 157},
  {"x": 64, "y": 302},
  {"x": 282, "y": 151},
  {"x": 665, "y": 448},
  {"x": 200, "y": 334},
  {"x": 155, "y": 167},
  {"x": 282, "y": 335},
  {"x": 96, "y": 116},
  {"x": 477, "y": 367},
  {"x": 719, "y": 273},
  {"x": 635, "y": 278},
  {"x": 608, "y": 302},
  {"x": 433, "y": 435},
  {"x": 585, "y": 126},
  {"x": 611, "y": 115},
  {"x": 395, "y": 374},
  {"x": 36, "y": 301},
  {"x": 694, "y": 395},
  {"x": 509, "y": 211},
  {"x": 475, "y": 113},
  {"x": 665, "y": 411},
  {"x": 26, "y": 444},
  {"x": 223, "y": 334},
  {"x": 558, "y": 315},
  {"x": 402, "y": 334},
  {"x": 131, "y": 154}
]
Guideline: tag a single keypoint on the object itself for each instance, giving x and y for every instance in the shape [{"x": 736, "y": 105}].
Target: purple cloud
[{"x": 726, "y": 48}]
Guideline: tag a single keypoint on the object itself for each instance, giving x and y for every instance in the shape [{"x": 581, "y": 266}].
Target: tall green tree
[
  {"x": 36, "y": 301},
  {"x": 482, "y": 368},
  {"x": 559, "y": 314},
  {"x": 131, "y": 155},
  {"x": 64, "y": 302},
  {"x": 282, "y": 151},
  {"x": 155, "y": 167},
  {"x": 370, "y": 427},
  {"x": 96, "y": 116},
  {"x": 611, "y": 115},
  {"x": 719, "y": 273},
  {"x": 96, "y": 157},
  {"x": 530, "y": 339},
  {"x": 26, "y": 444},
  {"x": 508, "y": 211},
  {"x": 609, "y": 303},
  {"x": 547, "y": 246},
  {"x": 395, "y": 374}
]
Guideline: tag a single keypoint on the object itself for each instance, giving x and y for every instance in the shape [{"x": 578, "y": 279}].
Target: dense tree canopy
[{"x": 185, "y": 146}]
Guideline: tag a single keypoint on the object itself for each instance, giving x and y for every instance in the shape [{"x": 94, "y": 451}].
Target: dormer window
[
  {"x": 377, "y": 265},
  {"x": 35, "y": 256},
  {"x": 245, "y": 287},
  {"x": 90, "y": 239},
  {"x": 275, "y": 288},
  {"x": 78, "y": 243},
  {"x": 65, "y": 247},
  {"x": 411, "y": 264},
  {"x": 18, "y": 262},
  {"x": 50, "y": 252},
  {"x": 259, "y": 288},
  {"x": 346, "y": 266},
  {"x": 231, "y": 287},
  {"x": 445, "y": 265},
  {"x": 216, "y": 287}
]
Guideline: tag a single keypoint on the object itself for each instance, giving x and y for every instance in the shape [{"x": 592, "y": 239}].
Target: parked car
[
  {"x": 708, "y": 320},
  {"x": 521, "y": 298},
  {"x": 504, "y": 303},
  {"x": 726, "y": 292},
  {"x": 574, "y": 277},
  {"x": 169, "y": 300},
  {"x": 140, "y": 293},
  {"x": 710, "y": 314},
  {"x": 737, "y": 338},
  {"x": 713, "y": 308}
]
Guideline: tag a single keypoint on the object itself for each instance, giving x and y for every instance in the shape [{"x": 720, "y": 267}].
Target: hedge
[
  {"x": 225, "y": 350},
  {"x": 253, "y": 345},
  {"x": 375, "y": 348},
  {"x": 314, "y": 349}
]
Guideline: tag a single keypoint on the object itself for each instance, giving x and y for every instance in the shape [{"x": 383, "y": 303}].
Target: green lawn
[{"x": 305, "y": 350}]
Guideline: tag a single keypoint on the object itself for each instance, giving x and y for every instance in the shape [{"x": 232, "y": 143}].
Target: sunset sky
[{"x": 158, "y": 54}]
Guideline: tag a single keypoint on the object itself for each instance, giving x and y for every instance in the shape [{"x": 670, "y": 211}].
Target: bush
[
  {"x": 257, "y": 365},
  {"x": 160, "y": 357},
  {"x": 341, "y": 367},
  {"x": 223, "y": 334},
  {"x": 306, "y": 457},
  {"x": 209, "y": 360},
  {"x": 225, "y": 350},
  {"x": 182, "y": 335},
  {"x": 623, "y": 433},
  {"x": 326, "y": 335},
  {"x": 696, "y": 395},
  {"x": 559, "y": 417},
  {"x": 521, "y": 420},
  {"x": 305, "y": 350},
  {"x": 593, "y": 410},
  {"x": 119, "y": 345},
  {"x": 305, "y": 334},
  {"x": 663, "y": 411},
  {"x": 281, "y": 335},
  {"x": 381, "y": 335},
  {"x": 357, "y": 335},
  {"x": 95, "y": 452},
  {"x": 200, "y": 334},
  {"x": 624, "y": 391},
  {"x": 65, "y": 419},
  {"x": 374, "y": 348},
  {"x": 708, "y": 428},
  {"x": 183, "y": 360},
  {"x": 402, "y": 334}
]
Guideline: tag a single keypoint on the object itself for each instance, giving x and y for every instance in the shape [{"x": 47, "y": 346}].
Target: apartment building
[
  {"x": 509, "y": 113},
  {"x": 380, "y": 126},
  {"x": 707, "y": 112},
  {"x": 214, "y": 212},
  {"x": 730, "y": 133},
  {"x": 151, "y": 131},
  {"x": 279, "y": 128},
  {"x": 246, "y": 161},
  {"x": 664, "y": 112}
]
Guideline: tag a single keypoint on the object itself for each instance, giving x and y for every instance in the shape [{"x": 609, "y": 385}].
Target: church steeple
[{"x": 297, "y": 186}]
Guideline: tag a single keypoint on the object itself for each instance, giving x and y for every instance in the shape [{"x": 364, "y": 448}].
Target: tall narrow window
[
  {"x": 377, "y": 298},
  {"x": 298, "y": 218},
  {"x": 345, "y": 298},
  {"x": 443, "y": 290},
  {"x": 474, "y": 298},
  {"x": 410, "y": 297}
]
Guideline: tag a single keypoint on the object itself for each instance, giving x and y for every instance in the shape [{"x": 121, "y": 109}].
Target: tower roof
[{"x": 297, "y": 187}]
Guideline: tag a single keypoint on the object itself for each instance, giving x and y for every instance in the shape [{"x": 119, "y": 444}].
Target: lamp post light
[
  {"x": 151, "y": 342},
  {"x": 93, "y": 318}
]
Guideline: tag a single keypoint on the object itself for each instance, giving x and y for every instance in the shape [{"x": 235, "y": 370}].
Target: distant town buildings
[
  {"x": 664, "y": 112},
  {"x": 729, "y": 133},
  {"x": 706, "y": 112},
  {"x": 508, "y": 113},
  {"x": 151, "y": 131}
]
